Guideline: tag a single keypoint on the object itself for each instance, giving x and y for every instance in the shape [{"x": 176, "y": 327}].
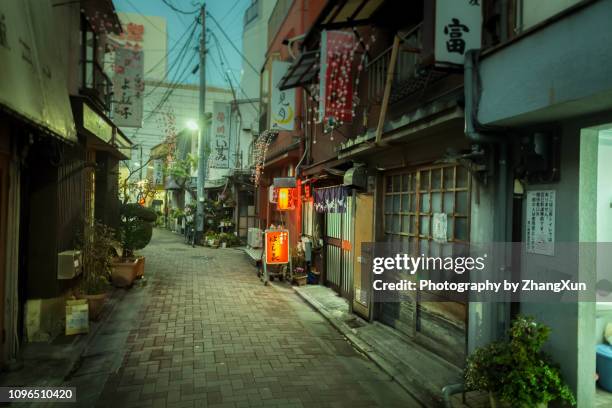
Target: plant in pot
[
  {"x": 517, "y": 373},
  {"x": 97, "y": 255},
  {"x": 135, "y": 231}
]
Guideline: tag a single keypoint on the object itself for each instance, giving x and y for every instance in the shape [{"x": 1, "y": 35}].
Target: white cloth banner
[
  {"x": 282, "y": 103},
  {"x": 220, "y": 140},
  {"x": 128, "y": 88}
]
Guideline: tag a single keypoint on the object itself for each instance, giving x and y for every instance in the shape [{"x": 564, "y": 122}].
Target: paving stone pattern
[{"x": 210, "y": 334}]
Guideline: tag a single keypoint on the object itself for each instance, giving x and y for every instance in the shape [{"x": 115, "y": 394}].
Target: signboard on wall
[
  {"x": 336, "y": 84},
  {"x": 220, "y": 140},
  {"x": 282, "y": 103},
  {"x": 128, "y": 87},
  {"x": 540, "y": 222},
  {"x": 458, "y": 29}
]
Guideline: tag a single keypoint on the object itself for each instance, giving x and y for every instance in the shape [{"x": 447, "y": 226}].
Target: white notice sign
[
  {"x": 540, "y": 222},
  {"x": 440, "y": 226}
]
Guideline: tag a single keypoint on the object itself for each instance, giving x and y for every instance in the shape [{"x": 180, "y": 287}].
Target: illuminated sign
[
  {"x": 277, "y": 247},
  {"x": 286, "y": 199}
]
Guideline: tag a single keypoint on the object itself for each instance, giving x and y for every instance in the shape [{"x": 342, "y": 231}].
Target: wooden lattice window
[{"x": 411, "y": 199}]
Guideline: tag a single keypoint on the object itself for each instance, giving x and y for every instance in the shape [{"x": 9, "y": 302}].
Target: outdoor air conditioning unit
[
  {"x": 255, "y": 238},
  {"x": 69, "y": 264}
]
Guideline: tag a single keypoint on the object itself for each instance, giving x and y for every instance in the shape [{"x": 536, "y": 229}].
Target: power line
[
  {"x": 148, "y": 19},
  {"x": 173, "y": 7},
  {"x": 232, "y": 43},
  {"x": 229, "y": 11}
]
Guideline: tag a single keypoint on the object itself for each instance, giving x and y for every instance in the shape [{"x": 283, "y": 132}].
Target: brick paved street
[{"x": 210, "y": 334}]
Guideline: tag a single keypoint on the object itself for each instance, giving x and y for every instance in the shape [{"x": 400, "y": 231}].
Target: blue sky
[{"x": 229, "y": 13}]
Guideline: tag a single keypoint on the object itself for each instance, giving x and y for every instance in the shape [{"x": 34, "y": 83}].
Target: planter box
[
  {"x": 124, "y": 272},
  {"x": 140, "y": 267}
]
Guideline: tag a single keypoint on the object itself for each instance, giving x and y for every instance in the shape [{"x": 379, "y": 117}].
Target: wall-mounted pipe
[{"x": 497, "y": 139}]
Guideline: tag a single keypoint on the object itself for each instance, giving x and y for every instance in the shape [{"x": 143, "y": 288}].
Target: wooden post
[{"x": 387, "y": 92}]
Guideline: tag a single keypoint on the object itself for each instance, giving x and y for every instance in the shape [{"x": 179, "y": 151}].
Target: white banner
[
  {"x": 220, "y": 140},
  {"x": 458, "y": 29},
  {"x": 128, "y": 88},
  {"x": 282, "y": 106}
]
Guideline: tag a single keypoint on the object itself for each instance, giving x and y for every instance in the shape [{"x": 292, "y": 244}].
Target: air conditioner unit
[
  {"x": 69, "y": 264},
  {"x": 255, "y": 238}
]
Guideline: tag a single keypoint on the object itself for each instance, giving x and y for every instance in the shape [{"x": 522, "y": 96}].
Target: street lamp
[{"x": 192, "y": 125}]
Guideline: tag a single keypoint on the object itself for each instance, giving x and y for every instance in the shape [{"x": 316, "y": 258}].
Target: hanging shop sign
[
  {"x": 336, "y": 86},
  {"x": 277, "y": 247},
  {"x": 330, "y": 199},
  {"x": 457, "y": 30},
  {"x": 282, "y": 114},
  {"x": 128, "y": 87},
  {"x": 220, "y": 142},
  {"x": 286, "y": 198},
  {"x": 96, "y": 124}
]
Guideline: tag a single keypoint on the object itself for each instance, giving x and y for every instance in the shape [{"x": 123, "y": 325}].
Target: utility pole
[{"x": 202, "y": 139}]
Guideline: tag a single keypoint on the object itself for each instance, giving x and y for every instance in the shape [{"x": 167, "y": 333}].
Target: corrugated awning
[
  {"x": 302, "y": 72},
  {"x": 336, "y": 15}
]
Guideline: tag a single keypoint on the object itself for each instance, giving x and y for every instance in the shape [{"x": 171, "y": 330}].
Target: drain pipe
[{"x": 497, "y": 139}]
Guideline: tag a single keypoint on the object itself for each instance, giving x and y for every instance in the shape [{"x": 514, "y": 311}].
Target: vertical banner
[
  {"x": 220, "y": 140},
  {"x": 336, "y": 76},
  {"x": 128, "y": 88},
  {"x": 458, "y": 30},
  {"x": 282, "y": 114}
]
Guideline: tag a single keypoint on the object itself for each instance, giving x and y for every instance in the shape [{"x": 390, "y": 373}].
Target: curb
[{"x": 362, "y": 346}]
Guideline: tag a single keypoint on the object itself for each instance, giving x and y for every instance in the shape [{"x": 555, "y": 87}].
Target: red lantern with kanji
[
  {"x": 286, "y": 199},
  {"x": 277, "y": 247}
]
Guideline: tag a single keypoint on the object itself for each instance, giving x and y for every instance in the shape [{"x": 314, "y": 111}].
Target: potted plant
[
  {"x": 135, "y": 231},
  {"x": 517, "y": 373},
  {"x": 97, "y": 254}
]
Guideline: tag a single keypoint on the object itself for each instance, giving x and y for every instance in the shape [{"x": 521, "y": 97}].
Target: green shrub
[
  {"x": 517, "y": 371},
  {"x": 135, "y": 227}
]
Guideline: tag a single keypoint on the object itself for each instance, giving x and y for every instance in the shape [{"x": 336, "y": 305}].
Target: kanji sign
[
  {"x": 220, "y": 140},
  {"x": 540, "y": 220},
  {"x": 458, "y": 30},
  {"x": 336, "y": 85},
  {"x": 277, "y": 247},
  {"x": 282, "y": 114},
  {"x": 287, "y": 198},
  {"x": 128, "y": 88}
]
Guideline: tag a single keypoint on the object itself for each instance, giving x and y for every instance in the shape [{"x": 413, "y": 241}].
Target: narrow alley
[{"x": 209, "y": 333}]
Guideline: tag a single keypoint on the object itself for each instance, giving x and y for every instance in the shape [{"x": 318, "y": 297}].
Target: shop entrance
[{"x": 411, "y": 198}]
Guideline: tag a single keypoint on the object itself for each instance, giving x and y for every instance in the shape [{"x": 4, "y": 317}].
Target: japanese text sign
[
  {"x": 287, "y": 198},
  {"x": 540, "y": 220},
  {"x": 128, "y": 88},
  {"x": 336, "y": 86},
  {"x": 282, "y": 114},
  {"x": 220, "y": 138},
  {"x": 458, "y": 30},
  {"x": 277, "y": 247}
]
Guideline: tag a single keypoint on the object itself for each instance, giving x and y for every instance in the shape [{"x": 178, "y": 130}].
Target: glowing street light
[{"x": 192, "y": 125}]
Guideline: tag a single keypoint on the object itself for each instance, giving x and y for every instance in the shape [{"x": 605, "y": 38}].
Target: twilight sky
[{"x": 229, "y": 13}]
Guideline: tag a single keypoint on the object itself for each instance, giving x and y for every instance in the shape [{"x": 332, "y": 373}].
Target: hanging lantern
[{"x": 285, "y": 199}]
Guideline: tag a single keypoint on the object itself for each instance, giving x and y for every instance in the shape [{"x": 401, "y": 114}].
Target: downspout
[{"x": 497, "y": 139}]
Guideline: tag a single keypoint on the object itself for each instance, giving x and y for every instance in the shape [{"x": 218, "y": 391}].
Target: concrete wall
[{"x": 550, "y": 73}]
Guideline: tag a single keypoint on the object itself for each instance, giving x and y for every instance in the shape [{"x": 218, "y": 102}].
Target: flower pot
[
  {"x": 96, "y": 303},
  {"x": 124, "y": 272},
  {"x": 300, "y": 280},
  {"x": 140, "y": 267}
]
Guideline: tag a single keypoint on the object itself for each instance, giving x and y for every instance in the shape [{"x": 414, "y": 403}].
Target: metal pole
[{"x": 202, "y": 140}]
